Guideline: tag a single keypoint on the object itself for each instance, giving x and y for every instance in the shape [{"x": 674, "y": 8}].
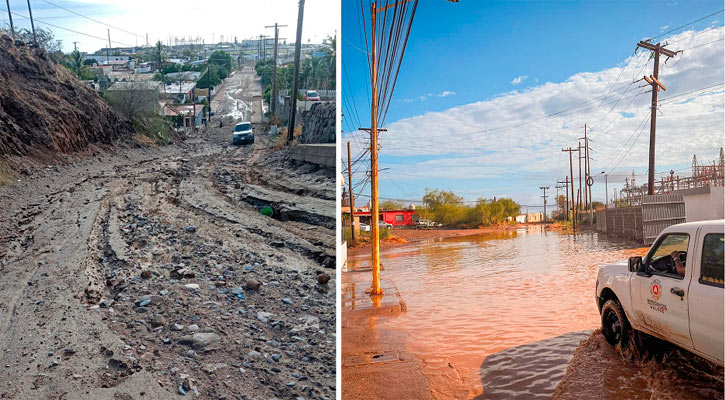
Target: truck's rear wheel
[{"x": 615, "y": 327}]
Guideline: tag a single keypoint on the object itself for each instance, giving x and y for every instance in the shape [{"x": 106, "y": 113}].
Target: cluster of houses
[{"x": 177, "y": 97}]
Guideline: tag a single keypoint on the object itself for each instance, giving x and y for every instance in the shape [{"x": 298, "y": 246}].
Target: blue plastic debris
[
  {"x": 181, "y": 390},
  {"x": 249, "y": 267},
  {"x": 240, "y": 296}
]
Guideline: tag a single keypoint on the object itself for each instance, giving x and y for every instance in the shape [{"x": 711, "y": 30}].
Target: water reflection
[{"x": 473, "y": 296}]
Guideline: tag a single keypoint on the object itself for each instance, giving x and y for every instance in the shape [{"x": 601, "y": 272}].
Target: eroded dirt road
[{"x": 150, "y": 272}]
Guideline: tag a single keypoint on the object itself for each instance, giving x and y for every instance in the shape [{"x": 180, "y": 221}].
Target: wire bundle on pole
[{"x": 393, "y": 23}]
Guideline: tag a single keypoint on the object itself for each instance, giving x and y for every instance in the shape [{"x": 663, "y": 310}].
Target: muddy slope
[{"x": 46, "y": 110}]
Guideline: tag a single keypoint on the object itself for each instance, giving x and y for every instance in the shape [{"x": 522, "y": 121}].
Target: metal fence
[
  {"x": 645, "y": 221},
  {"x": 660, "y": 211}
]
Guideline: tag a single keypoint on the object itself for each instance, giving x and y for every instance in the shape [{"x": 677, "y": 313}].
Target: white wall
[{"x": 705, "y": 206}]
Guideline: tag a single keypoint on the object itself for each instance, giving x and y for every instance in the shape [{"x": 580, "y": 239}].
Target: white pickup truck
[{"x": 650, "y": 295}]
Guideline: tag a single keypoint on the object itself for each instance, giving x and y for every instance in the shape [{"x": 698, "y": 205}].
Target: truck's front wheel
[{"x": 615, "y": 326}]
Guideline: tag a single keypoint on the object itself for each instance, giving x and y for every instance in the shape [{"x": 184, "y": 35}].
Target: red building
[{"x": 392, "y": 217}]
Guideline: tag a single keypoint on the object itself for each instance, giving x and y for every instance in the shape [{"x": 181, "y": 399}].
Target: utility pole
[
  {"x": 606, "y": 192},
  {"x": 10, "y": 17},
  {"x": 657, "y": 49},
  {"x": 274, "y": 70},
  {"x": 585, "y": 167},
  {"x": 375, "y": 289},
  {"x": 571, "y": 173},
  {"x": 544, "y": 188},
  {"x": 588, "y": 181},
  {"x": 32, "y": 24},
  {"x": 566, "y": 190},
  {"x": 108, "y": 50},
  {"x": 556, "y": 199},
  {"x": 147, "y": 40},
  {"x": 579, "y": 192},
  {"x": 75, "y": 46},
  {"x": 296, "y": 74},
  {"x": 352, "y": 196}
]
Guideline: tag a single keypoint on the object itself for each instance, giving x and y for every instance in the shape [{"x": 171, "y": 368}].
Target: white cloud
[
  {"x": 664, "y": 28},
  {"x": 519, "y": 79},
  {"x": 512, "y": 135},
  {"x": 444, "y": 93}
]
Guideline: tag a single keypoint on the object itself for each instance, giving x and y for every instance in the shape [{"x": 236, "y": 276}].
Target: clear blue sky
[{"x": 473, "y": 51}]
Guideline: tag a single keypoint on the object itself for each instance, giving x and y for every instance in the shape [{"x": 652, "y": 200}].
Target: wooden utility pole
[
  {"x": 32, "y": 25},
  {"x": 108, "y": 49},
  {"x": 571, "y": 174},
  {"x": 586, "y": 198},
  {"x": 587, "y": 178},
  {"x": 296, "y": 74},
  {"x": 566, "y": 190},
  {"x": 10, "y": 17},
  {"x": 375, "y": 289},
  {"x": 579, "y": 192},
  {"x": 657, "y": 49},
  {"x": 273, "y": 95},
  {"x": 544, "y": 188},
  {"x": 352, "y": 196}
]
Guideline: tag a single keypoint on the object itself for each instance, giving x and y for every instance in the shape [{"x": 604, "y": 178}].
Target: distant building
[
  {"x": 533, "y": 218},
  {"x": 521, "y": 219},
  {"x": 185, "y": 76},
  {"x": 152, "y": 86},
  {"x": 179, "y": 91},
  {"x": 392, "y": 217},
  {"x": 186, "y": 111}
]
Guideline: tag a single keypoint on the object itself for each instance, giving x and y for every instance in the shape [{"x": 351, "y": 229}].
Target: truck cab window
[
  {"x": 660, "y": 259},
  {"x": 713, "y": 264}
]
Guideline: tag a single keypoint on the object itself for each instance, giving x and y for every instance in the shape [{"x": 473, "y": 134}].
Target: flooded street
[{"x": 504, "y": 311}]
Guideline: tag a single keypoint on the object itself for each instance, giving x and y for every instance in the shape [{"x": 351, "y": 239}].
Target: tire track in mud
[{"x": 120, "y": 223}]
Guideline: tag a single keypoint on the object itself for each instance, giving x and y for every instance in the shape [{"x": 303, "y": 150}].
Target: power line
[
  {"x": 92, "y": 19},
  {"x": 66, "y": 29},
  {"x": 689, "y": 23}
]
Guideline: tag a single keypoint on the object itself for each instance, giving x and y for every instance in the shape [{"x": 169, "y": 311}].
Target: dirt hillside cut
[{"x": 45, "y": 110}]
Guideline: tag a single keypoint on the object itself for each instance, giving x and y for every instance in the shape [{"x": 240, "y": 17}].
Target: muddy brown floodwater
[{"x": 505, "y": 310}]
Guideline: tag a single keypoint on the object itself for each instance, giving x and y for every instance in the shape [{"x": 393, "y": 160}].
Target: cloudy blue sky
[
  {"x": 472, "y": 109},
  {"x": 161, "y": 19}
]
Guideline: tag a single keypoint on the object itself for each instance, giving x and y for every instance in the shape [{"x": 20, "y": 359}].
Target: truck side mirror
[{"x": 635, "y": 263}]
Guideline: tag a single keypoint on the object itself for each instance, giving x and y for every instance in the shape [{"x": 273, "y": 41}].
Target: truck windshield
[
  {"x": 243, "y": 127},
  {"x": 312, "y": 94},
  {"x": 671, "y": 242}
]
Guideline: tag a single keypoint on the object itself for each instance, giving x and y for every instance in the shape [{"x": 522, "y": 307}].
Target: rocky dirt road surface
[{"x": 151, "y": 273}]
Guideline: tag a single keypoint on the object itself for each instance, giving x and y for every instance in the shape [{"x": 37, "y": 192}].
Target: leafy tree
[
  {"x": 221, "y": 59},
  {"x": 90, "y": 61},
  {"x": 391, "y": 205},
  {"x": 46, "y": 41},
  {"x": 449, "y": 209}
]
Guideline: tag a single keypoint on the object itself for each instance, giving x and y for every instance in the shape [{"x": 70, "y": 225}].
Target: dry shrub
[
  {"x": 6, "y": 177},
  {"x": 144, "y": 140}
]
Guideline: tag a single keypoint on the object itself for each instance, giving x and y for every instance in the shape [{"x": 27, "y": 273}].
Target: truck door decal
[{"x": 655, "y": 289}]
